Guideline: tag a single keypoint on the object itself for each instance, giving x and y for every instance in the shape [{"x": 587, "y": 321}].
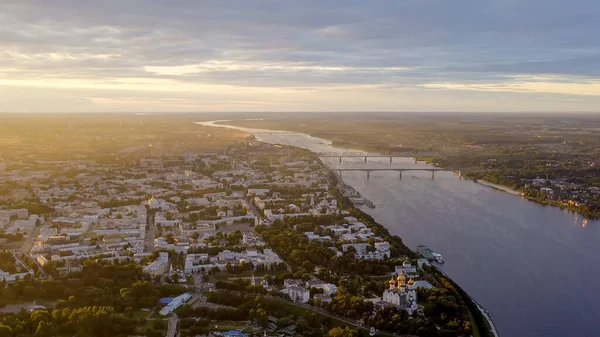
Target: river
[{"x": 534, "y": 268}]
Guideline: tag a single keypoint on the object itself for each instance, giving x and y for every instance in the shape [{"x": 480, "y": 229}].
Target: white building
[
  {"x": 258, "y": 191},
  {"x": 406, "y": 268},
  {"x": 422, "y": 262},
  {"x": 195, "y": 262},
  {"x": 312, "y": 236},
  {"x": 401, "y": 294},
  {"x": 360, "y": 248},
  {"x": 328, "y": 288},
  {"x": 175, "y": 303},
  {"x": 159, "y": 266},
  {"x": 297, "y": 294}
]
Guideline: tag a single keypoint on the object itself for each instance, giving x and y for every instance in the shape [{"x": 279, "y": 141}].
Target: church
[{"x": 401, "y": 294}]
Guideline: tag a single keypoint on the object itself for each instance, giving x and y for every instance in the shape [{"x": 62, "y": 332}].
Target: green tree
[{"x": 345, "y": 332}]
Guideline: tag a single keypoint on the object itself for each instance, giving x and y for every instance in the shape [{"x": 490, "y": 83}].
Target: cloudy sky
[{"x": 304, "y": 55}]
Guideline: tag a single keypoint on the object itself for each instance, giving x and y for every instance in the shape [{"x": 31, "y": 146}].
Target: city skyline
[{"x": 233, "y": 56}]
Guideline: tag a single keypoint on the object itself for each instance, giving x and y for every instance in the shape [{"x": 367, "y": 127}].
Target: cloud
[{"x": 192, "y": 46}]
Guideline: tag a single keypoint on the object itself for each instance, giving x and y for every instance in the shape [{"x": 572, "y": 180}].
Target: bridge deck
[
  {"x": 380, "y": 155},
  {"x": 433, "y": 169}
]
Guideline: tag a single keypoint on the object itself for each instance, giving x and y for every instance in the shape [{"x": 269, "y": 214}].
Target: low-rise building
[
  {"x": 175, "y": 303},
  {"x": 297, "y": 294},
  {"x": 158, "y": 266}
]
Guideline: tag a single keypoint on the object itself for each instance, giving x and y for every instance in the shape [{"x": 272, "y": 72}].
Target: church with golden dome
[{"x": 401, "y": 293}]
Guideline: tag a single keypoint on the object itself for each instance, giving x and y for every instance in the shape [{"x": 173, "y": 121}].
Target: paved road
[
  {"x": 254, "y": 209},
  {"x": 339, "y": 318},
  {"x": 150, "y": 232},
  {"x": 173, "y": 321},
  {"x": 26, "y": 247}
]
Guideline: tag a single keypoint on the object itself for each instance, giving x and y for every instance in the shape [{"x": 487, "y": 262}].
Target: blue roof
[
  {"x": 234, "y": 333},
  {"x": 165, "y": 300}
]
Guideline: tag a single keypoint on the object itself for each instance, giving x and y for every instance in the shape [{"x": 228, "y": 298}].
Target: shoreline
[
  {"x": 483, "y": 312},
  {"x": 539, "y": 202},
  {"x": 338, "y": 182},
  {"x": 498, "y": 187},
  {"x": 481, "y": 309}
]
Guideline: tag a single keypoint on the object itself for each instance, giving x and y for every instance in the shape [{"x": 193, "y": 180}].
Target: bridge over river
[
  {"x": 399, "y": 170},
  {"x": 416, "y": 155},
  {"x": 370, "y": 167}
]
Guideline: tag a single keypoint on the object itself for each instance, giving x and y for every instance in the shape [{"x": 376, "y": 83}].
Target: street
[{"x": 173, "y": 321}]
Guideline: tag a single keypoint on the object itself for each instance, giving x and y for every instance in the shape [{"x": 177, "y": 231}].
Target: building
[
  {"x": 328, "y": 288},
  {"x": 297, "y": 294},
  {"x": 406, "y": 268},
  {"x": 360, "y": 248},
  {"x": 423, "y": 284},
  {"x": 323, "y": 298},
  {"x": 422, "y": 262},
  {"x": 175, "y": 303},
  {"x": 41, "y": 260},
  {"x": 195, "y": 262},
  {"x": 16, "y": 213},
  {"x": 159, "y": 266},
  {"x": 232, "y": 333},
  {"x": 258, "y": 191},
  {"x": 312, "y": 236},
  {"x": 401, "y": 294},
  {"x": 4, "y": 275}
]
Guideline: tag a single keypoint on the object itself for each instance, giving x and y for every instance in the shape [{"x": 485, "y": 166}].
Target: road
[
  {"x": 173, "y": 321},
  {"x": 150, "y": 231},
  {"x": 26, "y": 247},
  {"x": 254, "y": 209},
  {"x": 339, "y": 318}
]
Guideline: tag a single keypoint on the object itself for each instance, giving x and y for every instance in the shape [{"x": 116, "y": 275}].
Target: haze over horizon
[{"x": 233, "y": 56}]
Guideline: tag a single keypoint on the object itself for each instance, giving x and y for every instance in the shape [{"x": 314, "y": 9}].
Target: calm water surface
[{"x": 535, "y": 269}]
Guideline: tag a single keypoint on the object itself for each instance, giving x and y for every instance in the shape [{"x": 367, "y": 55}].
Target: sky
[{"x": 305, "y": 55}]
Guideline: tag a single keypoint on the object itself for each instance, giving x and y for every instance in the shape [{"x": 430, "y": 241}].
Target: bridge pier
[
  {"x": 340, "y": 159},
  {"x": 390, "y": 159},
  {"x": 365, "y": 159},
  {"x": 368, "y": 175},
  {"x": 400, "y": 175},
  {"x": 432, "y": 175},
  {"x": 416, "y": 159}
]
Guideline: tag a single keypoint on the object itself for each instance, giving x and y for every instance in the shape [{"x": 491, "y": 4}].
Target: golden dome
[
  {"x": 392, "y": 281},
  {"x": 411, "y": 282},
  {"x": 401, "y": 278}
]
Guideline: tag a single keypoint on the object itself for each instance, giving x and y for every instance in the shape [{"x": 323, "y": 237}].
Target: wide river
[{"x": 535, "y": 269}]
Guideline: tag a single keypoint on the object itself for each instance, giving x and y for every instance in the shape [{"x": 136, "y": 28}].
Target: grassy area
[
  {"x": 189, "y": 280},
  {"x": 230, "y": 325},
  {"x": 141, "y": 314},
  {"x": 156, "y": 315},
  {"x": 142, "y": 328},
  {"x": 474, "y": 325}
]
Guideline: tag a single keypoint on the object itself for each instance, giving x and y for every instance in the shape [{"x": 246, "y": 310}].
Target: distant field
[{"x": 58, "y": 136}]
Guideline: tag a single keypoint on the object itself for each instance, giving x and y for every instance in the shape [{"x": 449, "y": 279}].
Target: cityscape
[
  {"x": 273, "y": 168},
  {"x": 196, "y": 235}
]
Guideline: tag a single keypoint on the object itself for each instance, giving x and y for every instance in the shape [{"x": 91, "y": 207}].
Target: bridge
[
  {"x": 271, "y": 133},
  {"x": 399, "y": 170},
  {"x": 416, "y": 155}
]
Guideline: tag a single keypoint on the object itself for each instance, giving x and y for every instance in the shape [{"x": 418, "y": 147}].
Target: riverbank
[
  {"x": 499, "y": 187},
  {"x": 480, "y": 317},
  {"x": 546, "y": 202}
]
